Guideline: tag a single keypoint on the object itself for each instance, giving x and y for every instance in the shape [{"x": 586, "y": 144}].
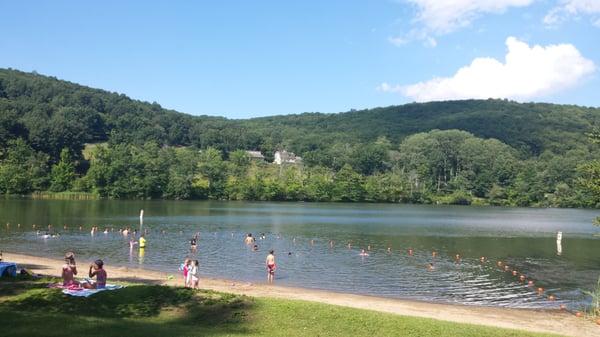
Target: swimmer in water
[
  {"x": 194, "y": 242},
  {"x": 389, "y": 250},
  {"x": 255, "y": 248},
  {"x": 410, "y": 251},
  {"x": 249, "y": 239},
  {"x": 270, "y": 261},
  {"x": 430, "y": 266},
  {"x": 363, "y": 253}
]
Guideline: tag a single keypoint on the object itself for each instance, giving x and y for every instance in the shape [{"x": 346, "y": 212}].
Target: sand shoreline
[{"x": 549, "y": 321}]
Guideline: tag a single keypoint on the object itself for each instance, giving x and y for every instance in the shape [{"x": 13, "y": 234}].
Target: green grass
[{"x": 28, "y": 308}]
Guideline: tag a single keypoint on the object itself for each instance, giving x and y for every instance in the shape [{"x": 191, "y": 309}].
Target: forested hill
[{"x": 52, "y": 114}]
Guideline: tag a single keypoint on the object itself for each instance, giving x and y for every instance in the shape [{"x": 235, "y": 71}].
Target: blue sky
[{"x": 243, "y": 59}]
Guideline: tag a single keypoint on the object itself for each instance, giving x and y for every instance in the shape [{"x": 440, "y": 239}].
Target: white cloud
[
  {"x": 386, "y": 87},
  {"x": 397, "y": 40},
  {"x": 527, "y": 72},
  {"x": 573, "y": 9},
  {"x": 439, "y": 17}
]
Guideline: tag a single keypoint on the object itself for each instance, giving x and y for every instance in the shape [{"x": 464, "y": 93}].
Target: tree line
[{"x": 449, "y": 167}]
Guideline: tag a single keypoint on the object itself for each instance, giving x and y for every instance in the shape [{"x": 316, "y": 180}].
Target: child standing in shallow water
[{"x": 270, "y": 266}]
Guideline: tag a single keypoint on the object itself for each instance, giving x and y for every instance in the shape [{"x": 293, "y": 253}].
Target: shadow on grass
[
  {"x": 135, "y": 280},
  {"x": 31, "y": 309}
]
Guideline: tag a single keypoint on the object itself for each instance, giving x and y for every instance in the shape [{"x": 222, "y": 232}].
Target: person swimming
[
  {"x": 270, "y": 261},
  {"x": 430, "y": 267},
  {"x": 363, "y": 253},
  {"x": 193, "y": 242},
  {"x": 142, "y": 242},
  {"x": 255, "y": 248},
  {"x": 249, "y": 239}
]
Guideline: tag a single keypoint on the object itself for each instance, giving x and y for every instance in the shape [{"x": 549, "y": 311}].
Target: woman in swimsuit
[
  {"x": 270, "y": 266},
  {"x": 69, "y": 270},
  {"x": 97, "y": 270}
]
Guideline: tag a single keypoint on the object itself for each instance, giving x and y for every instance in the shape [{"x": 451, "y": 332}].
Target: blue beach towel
[{"x": 90, "y": 292}]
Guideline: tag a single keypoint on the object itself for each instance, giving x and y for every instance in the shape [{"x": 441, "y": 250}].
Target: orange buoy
[
  {"x": 551, "y": 298},
  {"x": 598, "y": 321}
]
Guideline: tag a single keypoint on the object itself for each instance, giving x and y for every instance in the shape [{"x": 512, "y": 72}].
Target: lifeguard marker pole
[{"x": 141, "y": 220}]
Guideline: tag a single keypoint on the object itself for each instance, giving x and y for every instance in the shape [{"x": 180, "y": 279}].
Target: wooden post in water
[{"x": 141, "y": 221}]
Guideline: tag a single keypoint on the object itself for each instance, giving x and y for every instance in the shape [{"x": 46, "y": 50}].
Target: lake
[{"x": 300, "y": 234}]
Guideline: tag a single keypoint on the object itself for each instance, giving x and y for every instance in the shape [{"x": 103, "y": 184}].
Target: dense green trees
[{"x": 475, "y": 151}]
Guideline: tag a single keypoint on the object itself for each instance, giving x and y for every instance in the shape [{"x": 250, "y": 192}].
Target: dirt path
[{"x": 550, "y": 321}]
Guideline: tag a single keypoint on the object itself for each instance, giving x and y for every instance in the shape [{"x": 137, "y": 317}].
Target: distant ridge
[{"x": 51, "y": 114}]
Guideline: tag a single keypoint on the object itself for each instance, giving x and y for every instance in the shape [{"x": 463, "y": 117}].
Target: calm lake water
[{"x": 300, "y": 233}]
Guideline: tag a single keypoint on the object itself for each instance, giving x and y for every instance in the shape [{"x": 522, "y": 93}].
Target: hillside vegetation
[{"x": 483, "y": 151}]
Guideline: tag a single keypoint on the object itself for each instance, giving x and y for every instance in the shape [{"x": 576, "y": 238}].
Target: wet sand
[{"x": 549, "y": 321}]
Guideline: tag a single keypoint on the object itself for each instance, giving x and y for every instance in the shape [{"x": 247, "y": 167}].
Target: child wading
[{"x": 270, "y": 266}]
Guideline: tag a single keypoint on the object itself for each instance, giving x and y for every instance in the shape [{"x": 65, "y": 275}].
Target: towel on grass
[{"x": 81, "y": 292}]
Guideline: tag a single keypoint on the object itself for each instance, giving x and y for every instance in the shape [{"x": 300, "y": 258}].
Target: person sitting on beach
[
  {"x": 270, "y": 266},
  {"x": 97, "y": 270},
  {"x": 249, "y": 239},
  {"x": 194, "y": 274},
  {"x": 69, "y": 270}
]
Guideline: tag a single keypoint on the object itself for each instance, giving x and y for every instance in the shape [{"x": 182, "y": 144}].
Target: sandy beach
[{"x": 549, "y": 321}]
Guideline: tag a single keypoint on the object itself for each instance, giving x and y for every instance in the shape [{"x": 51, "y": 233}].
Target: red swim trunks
[{"x": 271, "y": 268}]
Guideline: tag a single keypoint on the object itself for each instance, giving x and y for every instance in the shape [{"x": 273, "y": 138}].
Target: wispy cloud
[
  {"x": 569, "y": 9},
  {"x": 527, "y": 72},
  {"x": 439, "y": 17}
]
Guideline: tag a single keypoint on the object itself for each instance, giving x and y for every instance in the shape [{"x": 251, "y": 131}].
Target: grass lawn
[{"x": 29, "y": 308}]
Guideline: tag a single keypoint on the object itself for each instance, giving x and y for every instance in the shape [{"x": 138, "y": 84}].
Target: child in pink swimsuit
[
  {"x": 69, "y": 270},
  {"x": 100, "y": 274}
]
